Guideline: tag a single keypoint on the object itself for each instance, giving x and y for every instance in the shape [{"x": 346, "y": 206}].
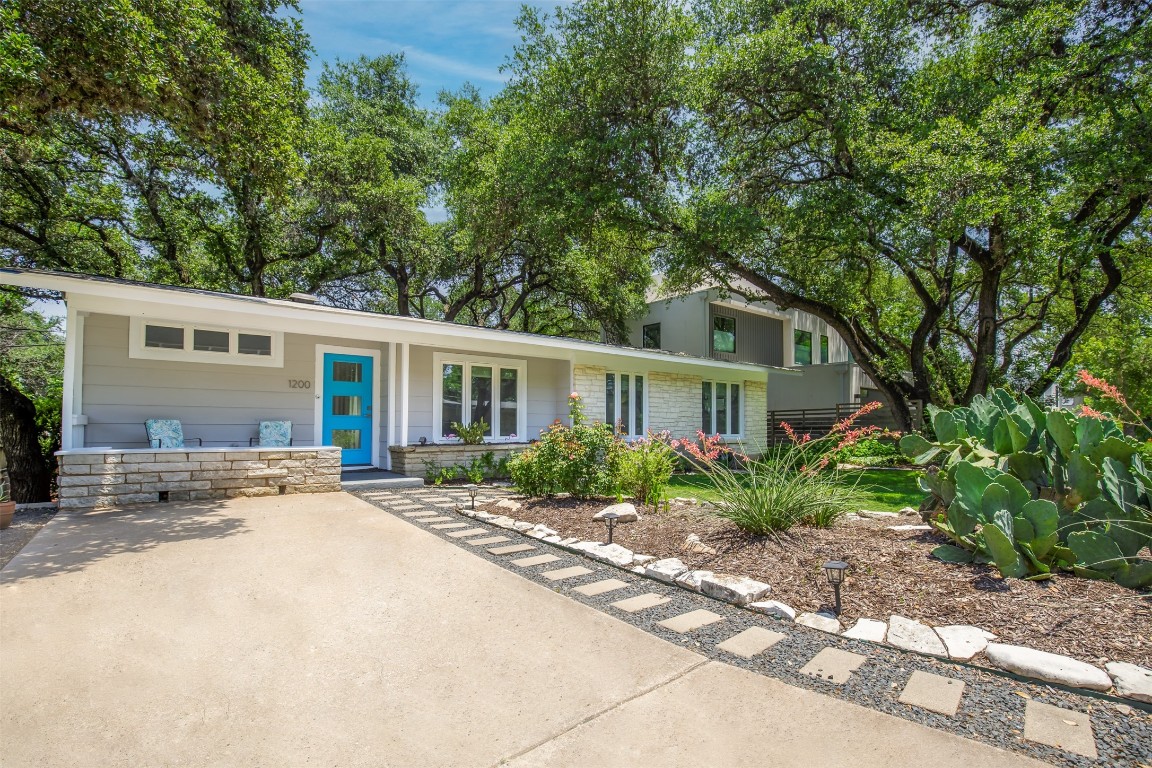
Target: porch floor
[{"x": 360, "y": 479}]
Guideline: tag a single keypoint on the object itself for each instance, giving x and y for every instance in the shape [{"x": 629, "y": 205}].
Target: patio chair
[
  {"x": 273, "y": 434},
  {"x": 167, "y": 433}
]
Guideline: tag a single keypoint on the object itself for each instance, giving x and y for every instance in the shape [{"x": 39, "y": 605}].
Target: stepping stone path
[
  {"x": 933, "y": 692},
  {"x": 834, "y": 665},
  {"x": 527, "y": 562},
  {"x": 641, "y": 603},
  {"x": 686, "y": 622},
  {"x": 600, "y": 587},
  {"x": 1058, "y": 727},
  {"x": 750, "y": 642}
]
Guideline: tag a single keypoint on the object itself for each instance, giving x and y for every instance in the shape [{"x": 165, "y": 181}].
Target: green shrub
[
  {"x": 645, "y": 468},
  {"x": 472, "y": 434},
  {"x": 871, "y": 452},
  {"x": 581, "y": 459}
]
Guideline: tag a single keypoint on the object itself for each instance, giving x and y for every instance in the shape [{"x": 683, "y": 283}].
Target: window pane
[
  {"x": 210, "y": 341},
  {"x": 346, "y": 405},
  {"x": 163, "y": 337},
  {"x": 452, "y": 398},
  {"x": 722, "y": 409},
  {"x": 481, "y": 406},
  {"x": 706, "y": 408},
  {"x": 823, "y": 349},
  {"x": 508, "y": 395},
  {"x": 639, "y": 410},
  {"x": 724, "y": 334},
  {"x": 254, "y": 344},
  {"x": 734, "y": 411},
  {"x": 346, "y": 438},
  {"x": 625, "y": 425},
  {"x": 610, "y": 399},
  {"x": 652, "y": 336},
  {"x": 803, "y": 346},
  {"x": 352, "y": 372}
]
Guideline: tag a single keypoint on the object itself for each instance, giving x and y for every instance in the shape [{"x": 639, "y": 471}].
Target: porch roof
[{"x": 89, "y": 293}]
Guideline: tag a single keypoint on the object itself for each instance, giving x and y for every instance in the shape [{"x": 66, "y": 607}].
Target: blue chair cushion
[
  {"x": 164, "y": 433},
  {"x": 275, "y": 434}
]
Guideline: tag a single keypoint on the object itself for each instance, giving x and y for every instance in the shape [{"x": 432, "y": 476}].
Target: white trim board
[{"x": 318, "y": 411}]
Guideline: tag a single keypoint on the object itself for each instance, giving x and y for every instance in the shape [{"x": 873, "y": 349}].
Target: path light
[
  {"x": 834, "y": 571},
  {"x": 472, "y": 489}
]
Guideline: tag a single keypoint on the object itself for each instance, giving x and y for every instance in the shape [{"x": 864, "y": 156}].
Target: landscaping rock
[
  {"x": 667, "y": 570},
  {"x": 914, "y": 636},
  {"x": 909, "y": 527},
  {"x": 643, "y": 559},
  {"x": 691, "y": 580},
  {"x": 1132, "y": 681},
  {"x": 552, "y": 539},
  {"x": 542, "y": 532},
  {"x": 910, "y": 511},
  {"x": 508, "y": 504},
  {"x": 867, "y": 629},
  {"x": 523, "y": 526},
  {"x": 610, "y": 553},
  {"x": 621, "y": 513},
  {"x": 695, "y": 546},
  {"x": 873, "y": 515},
  {"x": 1049, "y": 667},
  {"x": 820, "y": 621},
  {"x": 738, "y": 590},
  {"x": 480, "y": 515},
  {"x": 774, "y": 608},
  {"x": 503, "y": 522},
  {"x": 962, "y": 641},
  {"x": 568, "y": 543}
]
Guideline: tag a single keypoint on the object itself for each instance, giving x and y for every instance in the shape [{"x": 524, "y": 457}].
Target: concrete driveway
[{"x": 320, "y": 630}]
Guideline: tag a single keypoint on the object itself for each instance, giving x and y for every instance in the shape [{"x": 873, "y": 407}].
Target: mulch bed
[{"x": 890, "y": 573}]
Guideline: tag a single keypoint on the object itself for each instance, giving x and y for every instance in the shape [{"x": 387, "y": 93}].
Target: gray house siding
[
  {"x": 759, "y": 339},
  {"x": 221, "y": 404}
]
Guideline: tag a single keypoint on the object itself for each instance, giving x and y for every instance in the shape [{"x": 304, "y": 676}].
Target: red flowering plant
[{"x": 1111, "y": 393}]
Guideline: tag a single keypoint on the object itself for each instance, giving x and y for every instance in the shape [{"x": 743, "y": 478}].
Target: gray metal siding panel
[{"x": 759, "y": 339}]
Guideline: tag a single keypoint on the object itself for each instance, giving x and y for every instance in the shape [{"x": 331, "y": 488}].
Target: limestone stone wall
[
  {"x": 674, "y": 403},
  {"x": 94, "y": 478},
  {"x": 588, "y": 381},
  {"x": 755, "y": 416},
  {"x": 414, "y": 460}
]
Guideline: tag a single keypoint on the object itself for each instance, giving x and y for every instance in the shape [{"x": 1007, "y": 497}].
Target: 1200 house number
[{"x": 299, "y": 384}]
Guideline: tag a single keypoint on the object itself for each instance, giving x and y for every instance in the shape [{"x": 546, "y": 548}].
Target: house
[
  {"x": 384, "y": 390},
  {"x": 712, "y": 322}
]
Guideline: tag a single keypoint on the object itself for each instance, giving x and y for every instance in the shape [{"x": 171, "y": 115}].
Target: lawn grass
[{"x": 884, "y": 490}]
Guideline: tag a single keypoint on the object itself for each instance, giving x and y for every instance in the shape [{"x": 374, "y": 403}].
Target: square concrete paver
[
  {"x": 643, "y": 602},
  {"x": 934, "y": 692},
  {"x": 750, "y": 642},
  {"x": 446, "y": 526},
  {"x": 686, "y": 622},
  {"x": 1062, "y": 728},
  {"x": 427, "y": 520},
  {"x": 487, "y": 540},
  {"x": 600, "y": 587},
  {"x": 402, "y": 507},
  {"x": 422, "y": 513},
  {"x": 512, "y": 549},
  {"x": 469, "y": 532},
  {"x": 537, "y": 560},
  {"x": 834, "y": 665},
  {"x": 566, "y": 573}
]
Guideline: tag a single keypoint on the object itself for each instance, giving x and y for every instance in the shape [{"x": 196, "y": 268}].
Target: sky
[{"x": 446, "y": 43}]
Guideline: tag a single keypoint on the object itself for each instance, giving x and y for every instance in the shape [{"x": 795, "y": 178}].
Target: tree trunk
[{"x": 28, "y": 468}]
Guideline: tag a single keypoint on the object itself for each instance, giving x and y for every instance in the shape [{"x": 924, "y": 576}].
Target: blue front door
[{"x": 348, "y": 406}]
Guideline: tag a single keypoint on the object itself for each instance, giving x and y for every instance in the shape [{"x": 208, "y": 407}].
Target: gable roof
[{"x": 155, "y": 300}]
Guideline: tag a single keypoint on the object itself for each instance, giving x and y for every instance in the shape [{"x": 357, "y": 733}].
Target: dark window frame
[{"x": 646, "y": 336}]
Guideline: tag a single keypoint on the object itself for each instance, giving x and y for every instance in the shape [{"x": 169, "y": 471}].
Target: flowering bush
[
  {"x": 582, "y": 459},
  {"x": 646, "y": 466}
]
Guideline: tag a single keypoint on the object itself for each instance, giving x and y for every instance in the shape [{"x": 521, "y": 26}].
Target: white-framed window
[
  {"x": 204, "y": 343},
  {"x": 468, "y": 388},
  {"x": 722, "y": 409},
  {"x": 626, "y": 403}
]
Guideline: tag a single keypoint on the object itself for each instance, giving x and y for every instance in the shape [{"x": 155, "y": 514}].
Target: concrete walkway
[{"x": 320, "y": 630}]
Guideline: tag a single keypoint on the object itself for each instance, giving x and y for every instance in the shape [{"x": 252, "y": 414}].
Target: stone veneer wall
[
  {"x": 410, "y": 459},
  {"x": 674, "y": 403},
  {"x": 588, "y": 382},
  {"x": 95, "y": 478},
  {"x": 755, "y": 416}
]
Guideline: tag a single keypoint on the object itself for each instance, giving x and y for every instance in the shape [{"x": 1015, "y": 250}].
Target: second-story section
[{"x": 711, "y": 323}]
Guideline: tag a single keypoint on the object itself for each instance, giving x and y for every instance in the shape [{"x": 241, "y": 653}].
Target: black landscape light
[
  {"x": 834, "y": 571},
  {"x": 472, "y": 489}
]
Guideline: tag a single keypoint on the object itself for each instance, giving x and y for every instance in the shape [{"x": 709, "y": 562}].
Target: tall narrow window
[
  {"x": 720, "y": 408},
  {"x": 451, "y": 397},
  {"x": 724, "y": 334},
  {"x": 509, "y": 406},
  {"x": 824, "y": 349},
  {"x": 624, "y": 403},
  {"x": 803, "y": 347},
  {"x": 481, "y": 399},
  {"x": 652, "y": 336}
]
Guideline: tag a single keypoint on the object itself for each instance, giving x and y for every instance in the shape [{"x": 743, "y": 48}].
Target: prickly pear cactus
[{"x": 1032, "y": 491}]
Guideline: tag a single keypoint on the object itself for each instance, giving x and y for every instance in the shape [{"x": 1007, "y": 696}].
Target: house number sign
[{"x": 299, "y": 384}]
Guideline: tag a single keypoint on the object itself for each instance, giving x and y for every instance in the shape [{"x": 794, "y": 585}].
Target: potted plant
[{"x": 7, "y": 506}]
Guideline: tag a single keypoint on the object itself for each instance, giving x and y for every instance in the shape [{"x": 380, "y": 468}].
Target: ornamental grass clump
[{"x": 796, "y": 483}]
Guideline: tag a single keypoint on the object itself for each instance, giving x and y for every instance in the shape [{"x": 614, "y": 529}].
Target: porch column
[
  {"x": 403, "y": 395},
  {"x": 390, "y": 433},
  {"x": 72, "y": 401}
]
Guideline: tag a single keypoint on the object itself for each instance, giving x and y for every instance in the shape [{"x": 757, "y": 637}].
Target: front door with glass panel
[{"x": 348, "y": 406}]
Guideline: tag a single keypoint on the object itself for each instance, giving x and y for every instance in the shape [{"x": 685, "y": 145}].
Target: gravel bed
[
  {"x": 26, "y": 523},
  {"x": 991, "y": 711}
]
